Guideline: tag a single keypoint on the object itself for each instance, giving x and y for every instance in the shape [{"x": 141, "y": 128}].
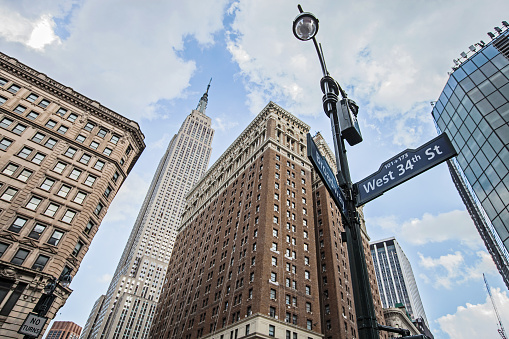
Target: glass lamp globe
[{"x": 305, "y": 26}]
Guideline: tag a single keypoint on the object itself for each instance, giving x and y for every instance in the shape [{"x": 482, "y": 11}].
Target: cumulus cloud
[
  {"x": 452, "y": 269},
  {"x": 477, "y": 321},
  {"x": 391, "y": 57},
  {"x": 134, "y": 59},
  {"x": 220, "y": 124},
  {"x": 454, "y": 225},
  {"x": 128, "y": 200}
]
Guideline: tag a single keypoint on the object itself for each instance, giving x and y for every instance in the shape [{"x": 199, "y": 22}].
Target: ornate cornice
[{"x": 18, "y": 69}]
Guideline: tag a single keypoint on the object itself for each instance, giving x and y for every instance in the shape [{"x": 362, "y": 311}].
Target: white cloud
[
  {"x": 450, "y": 270},
  {"x": 392, "y": 62},
  {"x": 453, "y": 225},
  {"x": 105, "y": 278},
  {"x": 128, "y": 56},
  {"x": 128, "y": 200},
  {"x": 477, "y": 321},
  {"x": 35, "y": 33},
  {"x": 220, "y": 124}
]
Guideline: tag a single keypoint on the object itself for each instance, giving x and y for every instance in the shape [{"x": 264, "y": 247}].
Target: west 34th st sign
[{"x": 404, "y": 166}]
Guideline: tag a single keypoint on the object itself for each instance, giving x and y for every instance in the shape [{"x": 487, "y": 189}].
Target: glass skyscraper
[
  {"x": 473, "y": 110},
  {"x": 395, "y": 278}
]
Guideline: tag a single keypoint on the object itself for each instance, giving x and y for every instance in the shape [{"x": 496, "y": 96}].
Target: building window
[
  {"x": 308, "y": 307},
  {"x": 51, "y": 124},
  {"x": 3, "y": 248},
  {"x": 32, "y": 97},
  {"x": 306, "y": 260},
  {"x": 19, "y": 129},
  {"x": 6, "y": 122},
  {"x": 24, "y": 175},
  {"x": 33, "y": 203},
  {"x": 94, "y": 144},
  {"x": 10, "y": 169},
  {"x": 107, "y": 151},
  {"x": 273, "y": 276},
  {"x": 43, "y": 103},
  {"x": 308, "y": 290},
  {"x": 85, "y": 158},
  {"x": 50, "y": 143},
  {"x": 9, "y": 194},
  {"x": 51, "y": 209},
  {"x": 25, "y": 152},
  {"x": 99, "y": 165},
  {"x": 64, "y": 191},
  {"x": 114, "y": 139},
  {"x": 37, "y": 231},
  {"x": 61, "y": 111},
  {"x": 306, "y": 275},
  {"x": 102, "y": 133},
  {"x": 90, "y": 180},
  {"x": 274, "y": 261},
  {"x": 18, "y": 224},
  {"x": 272, "y": 331},
  {"x": 62, "y": 129},
  {"x": 40, "y": 263},
  {"x": 38, "y": 137},
  {"x": 89, "y": 126},
  {"x": 2, "y": 100},
  {"x": 72, "y": 117},
  {"x": 75, "y": 174},
  {"x": 274, "y": 246},
  {"x": 115, "y": 177},
  {"x": 20, "y": 109},
  {"x": 71, "y": 151},
  {"x": 89, "y": 226},
  {"x": 275, "y": 220},
  {"x": 59, "y": 167},
  {"x": 80, "y": 197},
  {"x": 47, "y": 184},
  {"x": 5, "y": 143},
  {"x": 32, "y": 115},
  {"x": 20, "y": 257},
  {"x": 98, "y": 209},
  {"x": 68, "y": 216},
  {"x": 309, "y": 324},
  {"x": 55, "y": 237},
  {"x": 38, "y": 158},
  {"x": 80, "y": 138},
  {"x": 272, "y": 311},
  {"x": 77, "y": 248}
]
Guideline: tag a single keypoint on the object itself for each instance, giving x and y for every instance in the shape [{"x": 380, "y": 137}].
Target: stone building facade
[{"x": 63, "y": 158}]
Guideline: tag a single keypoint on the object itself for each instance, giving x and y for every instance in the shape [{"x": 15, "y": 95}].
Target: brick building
[
  {"x": 253, "y": 257},
  {"x": 63, "y": 158},
  {"x": 64, "y": 330}
]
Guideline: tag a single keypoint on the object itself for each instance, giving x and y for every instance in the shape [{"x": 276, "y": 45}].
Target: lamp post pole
[{"x": 344, "y": 126}]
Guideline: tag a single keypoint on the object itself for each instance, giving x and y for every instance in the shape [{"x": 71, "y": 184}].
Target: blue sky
[{"x": 151, "y": 62}]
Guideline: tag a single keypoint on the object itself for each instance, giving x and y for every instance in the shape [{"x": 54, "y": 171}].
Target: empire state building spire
[{"x": 202, "y": 105}]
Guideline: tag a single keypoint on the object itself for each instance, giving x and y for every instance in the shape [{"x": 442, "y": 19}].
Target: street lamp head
[
  {"x": 305, "y": 26},
  {"x": 66, "y": 280},
  {"x": 50, "y": 286}
]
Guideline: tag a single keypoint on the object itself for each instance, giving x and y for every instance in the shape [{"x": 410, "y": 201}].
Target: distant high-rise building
[
  {"x": 259, "y": 252},
  {"x": 396, "y": 281},
  {"x": 63, "y": 157},
  {"x": 473, "y": 110},
  {"x": 64, "y": 330},
  {"x": 132, "y": 296}
]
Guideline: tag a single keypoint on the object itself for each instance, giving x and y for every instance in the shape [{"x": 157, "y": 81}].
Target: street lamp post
[
  {"x": 344, "y": 127},
  {"x": 47, "y": 297}
]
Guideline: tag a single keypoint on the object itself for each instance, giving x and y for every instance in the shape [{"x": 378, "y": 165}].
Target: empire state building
[{"x": 127, "y": 309}]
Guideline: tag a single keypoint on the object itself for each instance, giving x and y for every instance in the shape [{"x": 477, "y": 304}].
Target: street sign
[
  {"x": 326, "y": 174},
  {"x": 33, "y": 325},
  {"x": 404, "y": 166}
]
